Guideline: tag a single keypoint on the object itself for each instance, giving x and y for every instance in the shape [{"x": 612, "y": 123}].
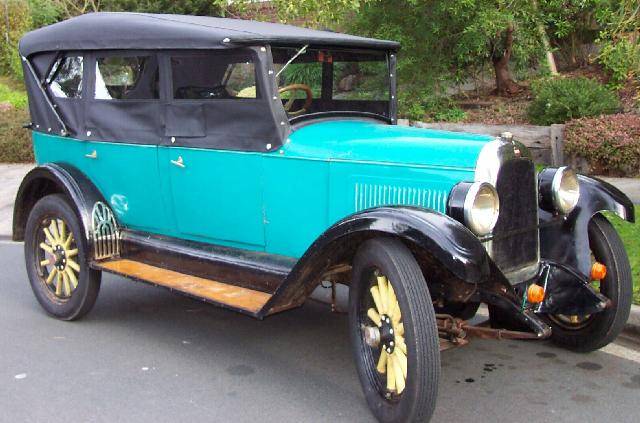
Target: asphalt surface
[
  {"x": 146, "y": 355},
  {"x": 10, "y": 177}
]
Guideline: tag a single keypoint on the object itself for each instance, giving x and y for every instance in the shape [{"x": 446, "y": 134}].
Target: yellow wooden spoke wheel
[
  {"x": 393, "y": 332},
  {"x": 389, "y": 336},
  {"x": 56, "y": 255},
  {"x": 58, "y": 267}
]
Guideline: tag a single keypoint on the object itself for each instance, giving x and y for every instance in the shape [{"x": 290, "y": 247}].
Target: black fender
[
  {"x": 52, "y": 178},
  {"x": 429, "y": 234},
  {"x": 565, "y": 239}
]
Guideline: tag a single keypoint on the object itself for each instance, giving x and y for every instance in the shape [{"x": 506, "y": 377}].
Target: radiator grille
[
  {"x": 516, "y": 240},
  {"x": 369, "y": 195}
]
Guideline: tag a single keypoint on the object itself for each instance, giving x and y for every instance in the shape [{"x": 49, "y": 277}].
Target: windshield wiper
[{"x": 301, "y": 51}]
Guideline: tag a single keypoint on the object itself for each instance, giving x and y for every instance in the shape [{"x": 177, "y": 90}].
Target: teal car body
[
  {"x": 244, "y": 164},
  {"x": 278, "y": 201}
]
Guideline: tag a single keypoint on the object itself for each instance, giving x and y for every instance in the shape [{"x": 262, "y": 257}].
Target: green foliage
[
  {"x": 183, "y": 7},
  {"x": 17, "y": 99},
  {"x": 15, "y": 141},
  {"x": 19, "y": 22},
  {"x": 447, "y": 41},
  {"x": 561, "y": 99},
  {"x": 621, "y": 59},
  {"x": 317, "y": 13},
  {"x": 421, "y": 106},
  {"x": 44, "y": 12},
  {"x": 453, "y": 114},
  {"x": 620, "y": 54},
  {"x": 304, "y": 73},
  {"x": 611, "y": 144}
]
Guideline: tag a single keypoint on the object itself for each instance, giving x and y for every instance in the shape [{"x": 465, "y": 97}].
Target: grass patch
[
  {"x": 630, "y": 234},
  {"x": 12, "y": 93}
]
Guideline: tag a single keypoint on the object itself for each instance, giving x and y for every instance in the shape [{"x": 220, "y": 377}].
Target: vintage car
[{"x": 244, "y": 163}]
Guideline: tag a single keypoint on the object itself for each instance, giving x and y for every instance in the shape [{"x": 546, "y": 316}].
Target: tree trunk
[
  {"x": 505, "y": 85},
  {"x": 551, "y": 62}
]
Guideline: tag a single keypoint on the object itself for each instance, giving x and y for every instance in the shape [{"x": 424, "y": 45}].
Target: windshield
[{"x": 324, "y": 80}]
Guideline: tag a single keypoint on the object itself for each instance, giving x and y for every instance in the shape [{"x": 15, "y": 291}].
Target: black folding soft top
[{"x": 115, "y": 30}]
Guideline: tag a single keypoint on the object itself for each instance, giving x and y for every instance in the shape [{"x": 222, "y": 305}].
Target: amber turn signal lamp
[
  {"x": 535, "y": 294},
  {"x": 598, "y": 271}
]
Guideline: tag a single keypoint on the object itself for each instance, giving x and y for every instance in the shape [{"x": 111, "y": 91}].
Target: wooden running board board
[{"x": 235, "y": 297}]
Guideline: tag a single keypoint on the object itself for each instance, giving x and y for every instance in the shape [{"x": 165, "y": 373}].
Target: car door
[
  {"x": 214, "y": 189},
  {"x": 122, "y": 133}
]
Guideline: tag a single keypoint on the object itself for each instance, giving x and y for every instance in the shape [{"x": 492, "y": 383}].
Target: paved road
[
  {"x": 10, "y": 177},
  {"x": 630, "y": 186},
  {"x": 146, "y": 355}
]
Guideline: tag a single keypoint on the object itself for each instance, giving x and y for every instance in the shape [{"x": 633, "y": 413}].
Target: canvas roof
[{"x": 121, "y": 30}]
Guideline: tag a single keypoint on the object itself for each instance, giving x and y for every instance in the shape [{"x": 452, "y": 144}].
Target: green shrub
[
  {"x": 425, "y": 107},
  {"x": 611, "y": 144},
  {"x": 559, "y": 100},
  {"x": 15, "y": 141},
  {"x": 621, "y": 59},
  {"x": 45, "y": 12},
  {"x": 19, "y": 20}
]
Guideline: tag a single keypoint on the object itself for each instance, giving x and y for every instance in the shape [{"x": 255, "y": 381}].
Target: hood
[{"x": 368, "y": 141}]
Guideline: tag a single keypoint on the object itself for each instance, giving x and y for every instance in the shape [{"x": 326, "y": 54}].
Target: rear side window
[
  {"x": 127, "y": 78},
  {"x": 66, "y": 77},
  {"x": 213, "y": 76}
]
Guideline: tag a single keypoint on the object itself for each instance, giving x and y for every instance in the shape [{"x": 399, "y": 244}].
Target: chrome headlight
[
  {"x": 481, "y": 208},
  {"x": 565, "y": 190}
]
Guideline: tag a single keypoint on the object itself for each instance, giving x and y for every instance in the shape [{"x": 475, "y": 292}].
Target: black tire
[
  {"x": 393, "y": 259},
  {"x": 81, "y": 299},
  {"x": 601, "y": 328}
]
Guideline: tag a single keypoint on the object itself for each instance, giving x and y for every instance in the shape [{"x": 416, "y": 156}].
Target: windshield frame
[{"x": 392, "y": 100}]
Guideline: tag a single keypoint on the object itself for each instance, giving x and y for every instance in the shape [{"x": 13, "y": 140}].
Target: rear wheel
[
  {"x": 393, "y": 332},
  {"x": 56, "y": 258},
  {"x": 590, "y": 332}
]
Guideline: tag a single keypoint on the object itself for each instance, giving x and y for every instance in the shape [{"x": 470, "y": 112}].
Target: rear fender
[{"x": 53, "y": 178}]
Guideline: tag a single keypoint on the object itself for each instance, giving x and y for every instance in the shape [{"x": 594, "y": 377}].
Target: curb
[{"x": 632, "y": 327}]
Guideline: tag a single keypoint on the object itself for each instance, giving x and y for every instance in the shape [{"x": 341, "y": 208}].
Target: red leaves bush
[{"x": 611, "y": 144}]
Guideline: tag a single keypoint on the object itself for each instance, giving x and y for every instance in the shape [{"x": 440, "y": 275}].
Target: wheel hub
[
  {"x": 386, "y": 334},
  {"x": 60, "y": 257}
]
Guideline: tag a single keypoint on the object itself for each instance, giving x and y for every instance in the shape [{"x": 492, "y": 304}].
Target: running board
[{"x": 237, "y": 298}]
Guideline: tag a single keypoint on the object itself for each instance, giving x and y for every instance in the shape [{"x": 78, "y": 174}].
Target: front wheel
[
  {"x": 393, "y": 332},
  {"x": 588, "y": 333}
]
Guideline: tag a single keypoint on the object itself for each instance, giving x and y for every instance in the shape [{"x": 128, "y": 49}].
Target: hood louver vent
[{"x": 374, "y": 195}]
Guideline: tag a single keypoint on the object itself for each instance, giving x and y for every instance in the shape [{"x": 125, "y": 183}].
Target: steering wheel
[{"x": 289, "y": 103}]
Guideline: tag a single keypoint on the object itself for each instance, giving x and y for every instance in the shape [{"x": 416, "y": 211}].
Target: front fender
[
  {"x": 52, "y": 178},
  {"x": 566, "y": 240},
  {"x": 444, "y": 239}
]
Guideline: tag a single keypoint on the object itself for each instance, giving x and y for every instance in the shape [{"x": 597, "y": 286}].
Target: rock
[{"x": 347, "y": 83}]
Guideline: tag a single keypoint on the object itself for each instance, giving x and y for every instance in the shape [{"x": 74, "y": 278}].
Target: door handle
[
  {"x": 92, "y": 155},
  {"x": 179, "y": 162}
]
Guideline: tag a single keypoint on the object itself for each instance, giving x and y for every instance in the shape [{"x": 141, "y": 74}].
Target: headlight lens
[
  {"x": 481, "y": 208},
  {"x": 565, "y": 190}
]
